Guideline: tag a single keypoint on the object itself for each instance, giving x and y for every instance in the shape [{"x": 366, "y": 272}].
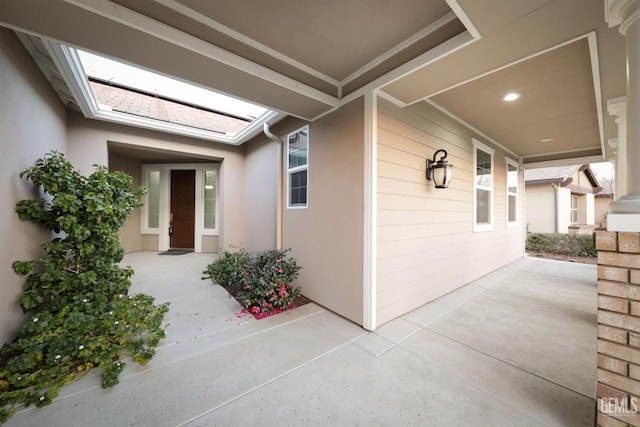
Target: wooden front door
[{"x": 183, "y": 208}]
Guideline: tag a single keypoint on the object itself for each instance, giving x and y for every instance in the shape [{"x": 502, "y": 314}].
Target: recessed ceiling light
[
  {"x": 547, "y": 140},
  {"x": 511, "y": 96}
]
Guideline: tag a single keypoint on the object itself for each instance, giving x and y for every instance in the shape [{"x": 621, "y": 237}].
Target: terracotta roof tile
[{"x": 146, "y": 105}]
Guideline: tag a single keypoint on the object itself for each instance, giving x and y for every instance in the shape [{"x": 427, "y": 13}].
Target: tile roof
[
  {"x": 148, "y": 105},
  {"x": 608, "y": 187},
  {"x": 554, "y": 174}
]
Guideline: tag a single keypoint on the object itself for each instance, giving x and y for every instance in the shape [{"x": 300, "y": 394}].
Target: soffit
[
  {"x": 558, "y": 102},
  {"x": 152, "y": 155},
  {"x": 290, "y": 56},
  {"x": 335, "y": 37},
  {"x": 323, "y": 44},
  {"x": 305, "y": 58},
  {"x": 511, "y": 34}
]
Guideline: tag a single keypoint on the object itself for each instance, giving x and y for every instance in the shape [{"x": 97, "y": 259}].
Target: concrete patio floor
[{"x": 514, "y": 348}]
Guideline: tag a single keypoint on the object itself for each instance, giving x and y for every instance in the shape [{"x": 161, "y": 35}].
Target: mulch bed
[
  {"x": 563, "y": 257},
  {"x": 297, "y": 302}
]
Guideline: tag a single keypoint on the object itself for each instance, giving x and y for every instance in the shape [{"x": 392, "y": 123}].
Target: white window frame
[
  {"x": 511, "y": 162},
  {"x": 200, "y": 181},
  {"x": 291, "y": 171},
  {"x": 477, "y": 145},
  {"x": 165, "y": 198},
  {"x": 145, "y": 229},
  {"x": 573, "y": 210}
]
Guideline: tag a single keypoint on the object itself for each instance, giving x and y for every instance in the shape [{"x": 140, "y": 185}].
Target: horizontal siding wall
[{"x": 426, "y": 246}]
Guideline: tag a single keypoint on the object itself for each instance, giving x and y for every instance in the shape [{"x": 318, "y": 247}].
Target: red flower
[{"x": 282, "y": 292}]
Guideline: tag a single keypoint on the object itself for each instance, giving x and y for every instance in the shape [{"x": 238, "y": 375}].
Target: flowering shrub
[
  {"x": 229, "y": 271},
  {"x": 76, "y": 294},
  {"x": 261, "y": 283}
]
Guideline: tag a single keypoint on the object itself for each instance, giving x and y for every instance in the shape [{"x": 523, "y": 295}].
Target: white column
[
  {"x": 613, "y": 143},
  {"x": 624, "y": 213},
  {"x": 618, "y": 108}
]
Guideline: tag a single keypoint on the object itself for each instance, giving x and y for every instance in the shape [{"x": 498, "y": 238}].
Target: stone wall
[{"x": 618, "y": 328}]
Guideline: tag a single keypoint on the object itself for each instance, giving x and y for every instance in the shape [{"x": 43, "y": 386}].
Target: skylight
[
  {"x": 137, "y": 78},
  {"x": 113, "y": 91}
]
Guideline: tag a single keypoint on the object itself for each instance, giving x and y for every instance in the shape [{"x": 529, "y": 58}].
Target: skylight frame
[{"x": 68, "y": 62}]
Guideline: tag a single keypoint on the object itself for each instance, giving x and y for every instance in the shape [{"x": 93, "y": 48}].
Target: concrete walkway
[{"x": 515, "y": 348}]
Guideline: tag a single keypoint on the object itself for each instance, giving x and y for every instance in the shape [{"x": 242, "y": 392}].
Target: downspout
[
  {"x": 278, "y": 142},
  {"x": 555, "y": 205}
]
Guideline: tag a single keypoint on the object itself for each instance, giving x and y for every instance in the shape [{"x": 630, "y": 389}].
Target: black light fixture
[{"x": 439, "y": 172}]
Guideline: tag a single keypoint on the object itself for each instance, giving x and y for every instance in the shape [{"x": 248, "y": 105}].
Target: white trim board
[{"x": 369, "y": 271}]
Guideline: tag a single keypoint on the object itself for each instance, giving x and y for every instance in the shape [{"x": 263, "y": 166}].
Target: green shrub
[
  {"x": 261, "y": 283},
  {"x": 565, "y": 244},
  {"x": 230, "y": 270},
  {"x": 80, "y": 315}
]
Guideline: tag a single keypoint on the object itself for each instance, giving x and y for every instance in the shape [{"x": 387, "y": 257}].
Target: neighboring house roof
[
  {"x": 126, "y": 100},
  {"x": 608, "y": 187},
  {"x": 563, "y": 176},
  {"x": 547, "y": 175}
]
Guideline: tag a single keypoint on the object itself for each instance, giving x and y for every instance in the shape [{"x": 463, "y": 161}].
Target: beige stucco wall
[
  {"x": 540, "y": 205},
  {"x": 426, "y": 246},
  {"x": 32, "y": 122},
  {"x": 149, "y": 242},
  {"x": 130, "y": 236},
  {"x": 210, "y": 244},
  {"x": 260, "y": 194},
  {"x": 327, "y": 237},
  {"x": 88, "y": 145},
  {"x": 601, "y": 208}
]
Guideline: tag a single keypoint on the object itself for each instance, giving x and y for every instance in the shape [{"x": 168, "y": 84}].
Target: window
[
  {"x": 483, "y": 186},
  {"x": 297, "y": 168},
  {"x": 153, "y": 200},
  {"x": 574, "y": 209},
  {"x": 512, "y": 193},
  {"x": 209, "y": 200}
]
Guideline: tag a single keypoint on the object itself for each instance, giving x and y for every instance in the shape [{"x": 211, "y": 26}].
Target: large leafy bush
[
  {"x": 80, "y": 315},
  {"x": 262, "y": 283}
]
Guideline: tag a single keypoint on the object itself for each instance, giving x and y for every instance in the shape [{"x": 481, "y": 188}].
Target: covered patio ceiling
[{"x": 306, "y": 58}]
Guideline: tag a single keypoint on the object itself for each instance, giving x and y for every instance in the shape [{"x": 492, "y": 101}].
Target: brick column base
[{"x": 618, "y": 328}]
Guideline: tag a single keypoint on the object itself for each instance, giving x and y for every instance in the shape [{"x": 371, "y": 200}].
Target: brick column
[{"x": 618, "y": 328}]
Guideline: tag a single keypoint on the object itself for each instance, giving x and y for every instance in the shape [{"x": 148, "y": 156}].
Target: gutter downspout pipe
[
  {"x": 278, "y": 142},
  {"x": 555, "y": 205}
]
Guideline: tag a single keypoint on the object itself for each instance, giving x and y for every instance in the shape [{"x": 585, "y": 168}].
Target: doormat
[{"x": 176, "y": 252}]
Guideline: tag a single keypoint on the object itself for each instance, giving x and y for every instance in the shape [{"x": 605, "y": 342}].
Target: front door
[{"x": 183, "y": 209}]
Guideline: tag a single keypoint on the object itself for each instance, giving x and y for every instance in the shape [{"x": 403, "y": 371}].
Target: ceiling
[{"x": 306, "y": 58}]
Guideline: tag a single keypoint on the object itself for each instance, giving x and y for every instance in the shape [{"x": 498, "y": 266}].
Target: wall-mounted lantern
[{"x": 439, "y": 172}]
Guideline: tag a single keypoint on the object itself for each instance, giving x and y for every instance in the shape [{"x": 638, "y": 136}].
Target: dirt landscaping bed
[{"x": 563, "y": 257}]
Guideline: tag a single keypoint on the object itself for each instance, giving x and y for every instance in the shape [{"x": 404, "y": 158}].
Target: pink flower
[
  {"x": 282, "y": 292},
  {"x": 280, "y": 271},
  {"x": 255, "y": 309}
]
